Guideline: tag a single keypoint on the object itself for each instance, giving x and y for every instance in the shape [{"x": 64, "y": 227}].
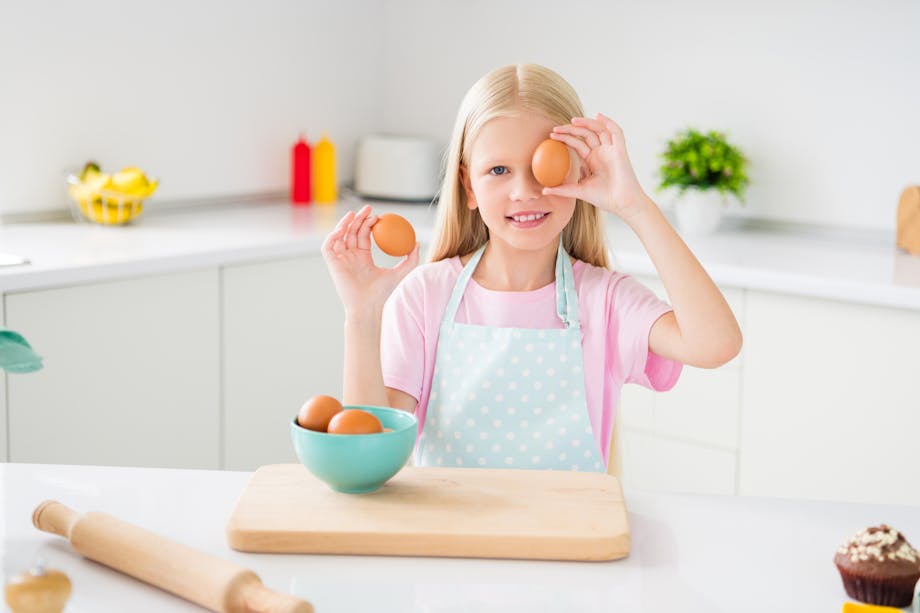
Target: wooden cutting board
[{"x": 456, "y": 512}]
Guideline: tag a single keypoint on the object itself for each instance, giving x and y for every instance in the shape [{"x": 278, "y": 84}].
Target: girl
[{"x": 511, "y": 346}]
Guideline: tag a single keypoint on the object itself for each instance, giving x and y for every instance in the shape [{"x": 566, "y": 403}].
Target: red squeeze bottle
[{"x": 300, "y": 172}]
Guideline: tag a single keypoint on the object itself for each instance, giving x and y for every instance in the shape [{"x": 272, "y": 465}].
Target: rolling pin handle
[
  {"x": 54, "y": 517},
  {"x": 260, "y": 599}
]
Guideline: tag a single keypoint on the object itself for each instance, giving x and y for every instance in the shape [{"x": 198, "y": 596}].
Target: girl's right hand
[{"x": 362, "y": 285}]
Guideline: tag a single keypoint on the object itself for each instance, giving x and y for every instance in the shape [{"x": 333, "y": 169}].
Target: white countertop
[
  {"x": 837, "y": 266},
  {"x": 690, "y": 553}
]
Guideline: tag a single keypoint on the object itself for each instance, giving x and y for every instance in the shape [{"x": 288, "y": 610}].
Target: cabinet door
[
  {"x": 831, "y": 408},
  {"x": 130, "y": 377},
  {"x": 283, "y": 336},
  {"x": 657, "y": 463}
]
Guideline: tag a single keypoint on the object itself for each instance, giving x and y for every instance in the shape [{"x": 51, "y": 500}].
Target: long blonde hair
[{"x": 503, "y": 92}]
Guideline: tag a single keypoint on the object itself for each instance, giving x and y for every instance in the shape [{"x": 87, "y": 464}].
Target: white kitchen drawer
[
  {"x": 655, "y": 463},
  {"x": 703, "y": 407}
]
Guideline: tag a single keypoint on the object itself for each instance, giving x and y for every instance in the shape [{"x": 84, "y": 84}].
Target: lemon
[{"x": 131, "y": 181}]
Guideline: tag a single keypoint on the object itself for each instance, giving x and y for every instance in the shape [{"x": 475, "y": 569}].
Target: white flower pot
[{"x": 699, "y": 211}]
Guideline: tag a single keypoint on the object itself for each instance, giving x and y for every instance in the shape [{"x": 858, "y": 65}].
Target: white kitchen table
[{"x": 690, "y": 553}]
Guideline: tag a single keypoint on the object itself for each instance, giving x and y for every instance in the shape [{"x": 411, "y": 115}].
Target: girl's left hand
[{"x": 607, "y": 179}]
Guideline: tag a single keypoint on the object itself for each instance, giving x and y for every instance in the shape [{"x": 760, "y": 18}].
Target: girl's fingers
[
  {"x": 568, "y": 190},
  {"x": 612, "y": 126},
  {"x": 580, "y": 147},
  {"x": 351, "y": 236},
  {"x": 335, "y": 237},
  {"x": 589, "y": 136},
  {"x": 406, "y": 266},
  {"x": 364, "y": 233}
]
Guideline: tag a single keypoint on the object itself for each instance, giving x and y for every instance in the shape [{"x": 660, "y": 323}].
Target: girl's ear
[{"x": 467, "y": 188}]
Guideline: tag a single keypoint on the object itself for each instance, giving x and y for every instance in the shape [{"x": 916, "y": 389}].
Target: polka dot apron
[{"x": 510, "y": 397}]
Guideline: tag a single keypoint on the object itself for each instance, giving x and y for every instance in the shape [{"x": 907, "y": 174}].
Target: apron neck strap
[{"x": 566, "y": 298}]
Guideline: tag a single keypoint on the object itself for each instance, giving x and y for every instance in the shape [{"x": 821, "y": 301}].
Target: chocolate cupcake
[{"x": 878, "y": 566}]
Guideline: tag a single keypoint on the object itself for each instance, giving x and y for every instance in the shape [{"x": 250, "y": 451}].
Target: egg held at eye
[
  {"x": 355, "y": 421},
  {"x": 394, "y": 235},
  {"x": 550, "y": 163},
  {"x": 316, "y": 413}
]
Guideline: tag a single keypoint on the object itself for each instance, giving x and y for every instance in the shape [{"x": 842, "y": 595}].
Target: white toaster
[{"x": 397, "y": 167}]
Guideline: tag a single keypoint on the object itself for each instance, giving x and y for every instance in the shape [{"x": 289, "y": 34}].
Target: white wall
[
  {"x": 209, "y": 95},
  {"x": 823, "y": 96}
]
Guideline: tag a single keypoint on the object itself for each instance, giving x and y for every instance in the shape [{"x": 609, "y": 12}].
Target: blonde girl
[{"x": 512, "y": 344}]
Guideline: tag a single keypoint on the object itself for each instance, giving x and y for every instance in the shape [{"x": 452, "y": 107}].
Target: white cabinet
[
  {"x": 283, "y": 332},
  {"x": 831, "y": 408},
  {"x": 685, "y": 439},
  {"x": 130, "y": 377}
]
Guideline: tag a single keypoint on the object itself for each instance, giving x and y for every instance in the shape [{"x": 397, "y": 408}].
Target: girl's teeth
[{"x": 528, "y": 217}]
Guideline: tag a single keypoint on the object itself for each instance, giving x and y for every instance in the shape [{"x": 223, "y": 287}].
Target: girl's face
[{"x": 500, "y": 183}]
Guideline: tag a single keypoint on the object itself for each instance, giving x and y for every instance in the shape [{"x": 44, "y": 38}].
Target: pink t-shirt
[{"x": 616, "y": 314}]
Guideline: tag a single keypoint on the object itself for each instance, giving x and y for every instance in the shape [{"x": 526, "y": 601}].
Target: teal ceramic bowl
[{"x": 357, "y": 463}]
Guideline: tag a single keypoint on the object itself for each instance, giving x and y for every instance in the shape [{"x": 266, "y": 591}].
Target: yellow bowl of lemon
[{"x": 110, "y": 199}]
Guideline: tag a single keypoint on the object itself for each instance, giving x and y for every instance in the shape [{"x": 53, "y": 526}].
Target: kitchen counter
[
  {"x": 689, "y": 553},
  {"x": 855, "y": 267}
]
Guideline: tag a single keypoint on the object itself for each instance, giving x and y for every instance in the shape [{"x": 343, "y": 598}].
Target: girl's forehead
[{"x": 510, "y": 136}]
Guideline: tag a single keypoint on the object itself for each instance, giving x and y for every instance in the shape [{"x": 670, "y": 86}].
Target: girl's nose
[{"x": 526, "y": 187}]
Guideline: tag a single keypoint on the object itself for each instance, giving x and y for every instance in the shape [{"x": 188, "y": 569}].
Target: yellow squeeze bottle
[{"x": 324, "y": 186}]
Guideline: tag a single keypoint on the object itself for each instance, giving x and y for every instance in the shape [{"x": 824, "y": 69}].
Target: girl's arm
[
  {"x": 702, "y": 330},
  {"x": 363, "y": 288}
]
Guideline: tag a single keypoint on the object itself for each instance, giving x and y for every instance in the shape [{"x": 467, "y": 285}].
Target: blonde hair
[{"x": 504, "y": 92}]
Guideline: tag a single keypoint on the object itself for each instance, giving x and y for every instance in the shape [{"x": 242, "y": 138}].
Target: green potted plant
[{"x": 705, "y": 169}]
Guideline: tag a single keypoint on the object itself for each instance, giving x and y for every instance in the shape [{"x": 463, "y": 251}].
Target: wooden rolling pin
[{"x": 204, "y": 579}]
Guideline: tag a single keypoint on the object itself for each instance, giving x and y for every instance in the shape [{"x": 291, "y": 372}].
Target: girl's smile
[{"x": 525, "y": 220}]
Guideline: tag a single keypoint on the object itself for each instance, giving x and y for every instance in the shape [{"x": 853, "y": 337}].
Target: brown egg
[
  {"x": 550, "y": 163},
  {"x": 394, "y": 235},
  {"x": 355, "y": 421},
  {"x": 317, "y": 411}
]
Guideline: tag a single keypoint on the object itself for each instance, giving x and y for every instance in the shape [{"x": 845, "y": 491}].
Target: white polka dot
[
  {"x": 550, "y": 372},
  {"x": 510, "y": 436},
  {"x": 516, "y": 334},
  {"x": 523, "y": 448},
  {"x": 440, "y": 434},
  {"x": 535, "y": 459},
  {"x": 563, "y": 358},
  {"x": 497, "y": 423},
  {"x": 550, "y": 397},
  {"x": 430, "y": 446},
  {"x": 484, "y": 410},
  {"x": 525, "y": 397},
  {"x": 456, "y": 372},
  {"x": 469, "y": 360},
  {"x": 500, "y": 372},
  {"x": 459, "y": 461},
  {"x": 539, "y": 359},
  {"x": 470, "y": 422},
  {"x": 499, "y": 397},
  {"x": 562, "y": 457},
  {"x": 576, "y": 443},
  {"x": 587, "y": 453},
  {"x": 514, "y": 359},
  {"x": 524, "y": 423},
  {"x": 562, "y": 431},
  {"x": 440, "y": 460},
  {"x": 528, "y": 347},
  {"x": 551, "y": 421},
  {"x": 575, "y": 344},
  {"x": 574, "y": 466},
  {"x": 597, "y": 465},
  {"x": 457, "y": 434},
  {"x": 551, "y": 346},
  {"x": 470, "y": 448},
  {"x": 537, "y": 410},
  {"x": 483, "y": 435},
  {"x": 482, "y": 461},
  {"x": 525, "y": 372},
  {"x": 483, "y": 346},
  {"x": 563, "y": 383},
  {"x": 447, "y": 447},
  {"x": 550, "y": 444},
  {"x": 509, "y": 461},
  {"x": 512, "y": 385},
  {"x": 538, "y": 385},
  {"x": 434, "y": 395},
  {"x": 536, "y": 434},
  {"x": 496, "y": 448},
  {"x": 541, "y": 334},
  {"x": 588, "y": 430},
  {"x": 486, "y": 384},
  {"x": 471, "y": 396},
  {"x": 564, "y": 408}
]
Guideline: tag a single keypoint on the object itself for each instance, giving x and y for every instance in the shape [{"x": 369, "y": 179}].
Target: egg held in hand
[
  {"x": 550, "y": 163},
  {"x": 316, "y": 413},
  {"x": 355, "y": 421},
  {"x": 394, "y": 235}
]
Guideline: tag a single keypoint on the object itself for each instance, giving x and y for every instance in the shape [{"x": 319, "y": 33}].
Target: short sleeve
[
  {"x": 635, "y": 309},
  {"x": 402, "y": 340}
]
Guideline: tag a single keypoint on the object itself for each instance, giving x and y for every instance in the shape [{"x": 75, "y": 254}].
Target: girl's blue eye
[{"x": 498, "y": 170}]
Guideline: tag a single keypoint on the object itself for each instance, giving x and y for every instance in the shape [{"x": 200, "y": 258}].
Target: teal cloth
[{"x": 16, "y": 354}]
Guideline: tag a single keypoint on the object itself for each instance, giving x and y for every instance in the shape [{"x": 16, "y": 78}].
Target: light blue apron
[{"x": 510, "y": 397}]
